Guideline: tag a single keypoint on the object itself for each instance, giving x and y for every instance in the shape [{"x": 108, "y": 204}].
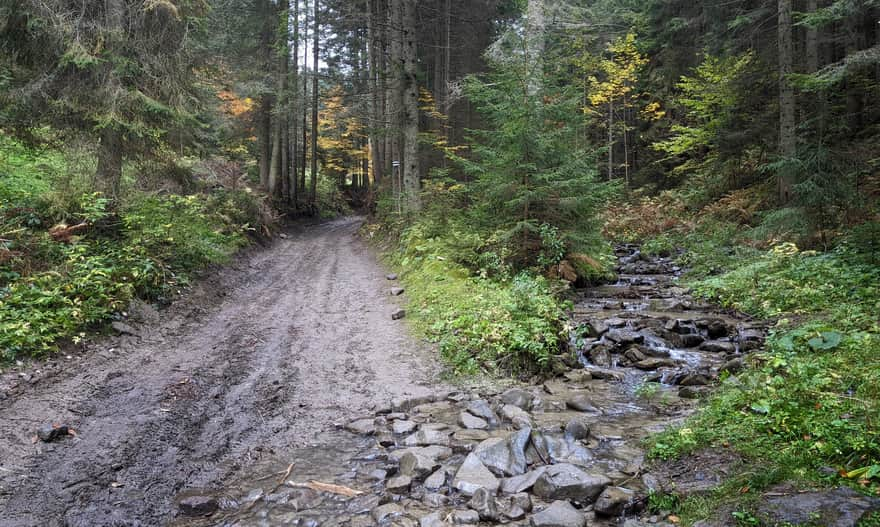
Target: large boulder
[
  {"x": 559, "y": 514},
  {"x": 614, "y": 501},
  {"x": 840, "y": 507},
  {"x": 518, "y": 484},
  {"x": 417, "y": 465},
  {"x": 473, "y": 475},
  {"x": 518, "y": 397},
  {"x": 481, "y": 409},
  {"x": 505, "y": 456},
  {"x": 568, "y": 482}
]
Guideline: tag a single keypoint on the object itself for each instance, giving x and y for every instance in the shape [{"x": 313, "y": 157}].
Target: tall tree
[
  {"x": 411, "y": 170},
  {"x": 787, "y": 139},
  {"x": 313, "y": 183}
]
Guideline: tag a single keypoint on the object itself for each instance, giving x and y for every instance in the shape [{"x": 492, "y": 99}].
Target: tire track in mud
[{"x": 262, "y": 357}]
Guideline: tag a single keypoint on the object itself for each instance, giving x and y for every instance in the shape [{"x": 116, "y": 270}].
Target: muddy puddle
[{"x": 527, "y": 455}]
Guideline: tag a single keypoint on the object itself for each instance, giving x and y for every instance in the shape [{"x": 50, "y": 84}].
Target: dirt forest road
[{"x": 265, "y": 355}]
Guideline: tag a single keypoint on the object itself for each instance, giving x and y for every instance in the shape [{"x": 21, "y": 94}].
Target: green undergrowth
[
  {"x": 807, "y": 407},
  {"x": 54, "y": 289},
  {"x": 482, "y": 325}
]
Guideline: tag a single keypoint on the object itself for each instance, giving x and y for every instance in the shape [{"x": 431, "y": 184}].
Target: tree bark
[
  {"x": 535, "y": 40},
  {"x": 110, "y": 162},
  {"x": 294, "y": 111},
  {"x": 787, "y": 140},
  {"x": 375, "y": 115},
  {"x": 264, "y": 117},
  {"x": 305, "y": 101},
  {"x": 313, "y": 184},
  {"x": 411, "y": 171}
]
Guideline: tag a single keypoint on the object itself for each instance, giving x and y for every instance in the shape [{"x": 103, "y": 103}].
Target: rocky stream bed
[{"x": 560, "y": 452}]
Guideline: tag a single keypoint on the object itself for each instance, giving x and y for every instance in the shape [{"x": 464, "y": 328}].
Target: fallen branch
[{"x": 327, "y": 487}]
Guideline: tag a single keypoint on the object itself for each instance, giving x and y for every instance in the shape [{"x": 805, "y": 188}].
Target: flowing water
[{"x": 647, "y": 351}]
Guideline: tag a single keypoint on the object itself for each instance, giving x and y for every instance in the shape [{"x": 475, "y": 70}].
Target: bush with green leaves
[{"x": 53, "y": 291}]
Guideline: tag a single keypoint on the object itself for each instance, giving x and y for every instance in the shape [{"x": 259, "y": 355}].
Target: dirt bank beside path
[{"x": 263, "y": 356}]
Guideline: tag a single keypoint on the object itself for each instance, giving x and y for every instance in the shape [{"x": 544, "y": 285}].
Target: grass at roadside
[
  {"x": 70, "y": 262},
  {"x": 806, "y": 409}
]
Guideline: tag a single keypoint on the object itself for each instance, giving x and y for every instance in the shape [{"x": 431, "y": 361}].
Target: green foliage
[
  {"x": 481, "y": 324},
  {"x": 712, "y": 99},
  {"x": 54, "y": 291},
  {"x": 534, "y": 182},
  {"x": 811, "y": 397}
]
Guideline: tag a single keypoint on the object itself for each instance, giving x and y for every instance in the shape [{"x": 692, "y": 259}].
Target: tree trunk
[
  {"x": 264, "y": 117},
  {"x": 812, "y": 40},
  {"x": 535, "y": 41},
  {"x": 294, "y": 111},
  {"x": 787, "y": 140},
  {"x": 110, "y": 148},
  {"x": 411, "y": 172},
  {"x": 110, "y": 159},
  {"x": 313, "y": 184},
  {"x": 374, "y": 67},
  {"x": 395, "y": 95},
  {"x": 305, "y": 101}
]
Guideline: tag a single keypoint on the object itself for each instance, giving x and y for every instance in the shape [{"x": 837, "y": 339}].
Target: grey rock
[
  {"x": 50, "y": 432},
  {"x": 624, "y": 338},
  {"x": 597, "y": 328},
  {"x": 471, "y": 435},
  {"x": 405, "y": 404},
  {"x": 365, "y": 427},
  {"x": 378, "y": 474},
  {"x": 505, "y": 457},
  {"x": 715, "y": 346},
  {"x": 435, "y": 519},
  {"x": 614, "y": 501},
  {"x": 433, "y": 452},
  {"x": 581, "y": 402},
  {"x": 416, "y": 465},
  {"x": 472, "y": 422},
  {"x": 467, "y": 517},
  {"x": 693, "y": 392},
  {"x": 398, "y": 314},
  {"x": 654, "y": 363},
  {"x": 517, "y": 397},
  {"x": 518, "y": 484},
  {"x": 481, "y": 409},
  {"x": 391, "y": 276},
  {"x": 840, "y": 507},
  {"x": 559, "y": 514},
  {"x": 403, "y": 427},
  {"x": 426, "y": 437},
  {"x": 397, "y": 291},
  {"x": 435, "y": 500},
  {"x": 522, "y": 500},
  {"x": 733, "y": 366},
  {"x": 566, "y": 481},
  {"x": 605, "y": 374},
  {"x": 517, "y": 416},
  {"x": 578, "y": 376},
  {"x": 385, "y": 512},
  {"x": 473, "y": 475},
  {"x": 399, "y": 484},
  {"x": 436, "y": 480},
  {"x": 577, "y": 430},
  {"x": 694, "y": 379},
  {"x": 550, "y": 448},
  {"x": 484, "y": 504},
  {"x": 198, "y": 505}
]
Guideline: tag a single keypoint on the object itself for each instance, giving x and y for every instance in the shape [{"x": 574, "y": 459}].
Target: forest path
[{"x": 264, "y": 356}]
